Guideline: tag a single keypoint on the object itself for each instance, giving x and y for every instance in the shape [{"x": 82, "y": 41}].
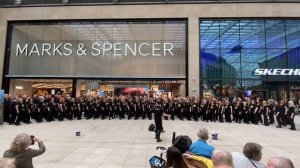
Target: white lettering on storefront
[
  {"x": 276, "y": 72},
  {"x": 97, "y": 49}
]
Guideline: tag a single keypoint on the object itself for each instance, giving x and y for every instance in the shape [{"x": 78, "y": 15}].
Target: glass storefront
[
  {"x": 250, "y": 58},
  {"x": 144, "y": 50}
]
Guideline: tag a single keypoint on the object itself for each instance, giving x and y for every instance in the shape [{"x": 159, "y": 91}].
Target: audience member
[
  {"x": 201, "y": 147},
  {"x": 250, "y": 158},
  {"x": 182, "y": 142},
  {"x": 222, "y": 159},
  {"x": 174, "y": 158},
  {"x": 279, "y": 162},
  {"x": 20, "y": 151}
]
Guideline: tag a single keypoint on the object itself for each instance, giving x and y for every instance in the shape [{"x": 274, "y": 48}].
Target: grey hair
[
  {"x": 20, "y": 143},
  {"x": 251, "y": 150},
  {"x": 7, "y": 163},
  {"x": 203, "y": 134},
  {"x": 222, "y": 158},
  {"x": 281, "y": 162}
]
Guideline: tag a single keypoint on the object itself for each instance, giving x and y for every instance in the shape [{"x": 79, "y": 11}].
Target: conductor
[{"x": 158, "y": 112}]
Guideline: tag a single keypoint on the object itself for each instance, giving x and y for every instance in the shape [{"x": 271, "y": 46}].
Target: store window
[{"x": 251, "y": 56}]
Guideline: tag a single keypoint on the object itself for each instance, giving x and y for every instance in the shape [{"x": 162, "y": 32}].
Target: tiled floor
[{"x": 129, "y": 144}]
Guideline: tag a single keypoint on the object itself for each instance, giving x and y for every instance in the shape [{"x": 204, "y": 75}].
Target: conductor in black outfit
[{"x": 158, "y": 113}]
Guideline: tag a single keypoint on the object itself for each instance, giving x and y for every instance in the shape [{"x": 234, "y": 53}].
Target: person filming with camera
[{"x": 20, "y": 151}]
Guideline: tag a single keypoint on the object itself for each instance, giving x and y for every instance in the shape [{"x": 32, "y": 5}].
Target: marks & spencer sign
[{"x": 95, "y": 49}]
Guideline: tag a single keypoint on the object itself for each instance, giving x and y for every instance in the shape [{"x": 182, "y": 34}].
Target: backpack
[{"x": 151, "y": 127}]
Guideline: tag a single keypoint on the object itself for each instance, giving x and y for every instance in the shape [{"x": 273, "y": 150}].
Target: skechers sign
[
  {"x": 276, "y": 72},
  {"x": 95, "y": 49}
]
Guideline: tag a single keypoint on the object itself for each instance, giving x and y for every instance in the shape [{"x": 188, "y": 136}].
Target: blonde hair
[
  {"x": 20, "y": 143},
  {"x": 7, "y": 163}
]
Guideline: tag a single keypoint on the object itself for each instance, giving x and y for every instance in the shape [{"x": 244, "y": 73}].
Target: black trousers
[
  {"x": 280, "y": 120},
  {"x": 291, "y": 121}
]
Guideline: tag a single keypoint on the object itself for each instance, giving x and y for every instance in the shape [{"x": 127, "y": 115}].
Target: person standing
[
  {"x": 265, "y": 113},
  {"x": 20, "y": 151},
  {"x": 158, "y": 113},
  {"x": 291, "y": 115},
  {"x": 6, "y": 108}
]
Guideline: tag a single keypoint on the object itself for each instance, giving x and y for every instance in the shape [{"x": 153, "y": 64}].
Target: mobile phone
[
  {"x": 32, "y": 139},
  {"x": 157, "y": 161}
]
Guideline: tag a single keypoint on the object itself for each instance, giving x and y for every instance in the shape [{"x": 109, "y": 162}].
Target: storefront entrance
[{"x": 157, "y": 88}]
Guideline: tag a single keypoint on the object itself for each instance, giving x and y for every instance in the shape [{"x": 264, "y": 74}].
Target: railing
[{"x": 20, "y": 3}]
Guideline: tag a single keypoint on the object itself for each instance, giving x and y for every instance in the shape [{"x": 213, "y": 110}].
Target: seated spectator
[
  {"x": 20, "y": 151},
  {"x": 200, "y": 147},
  {"x": 279, "y": 162},
  {"x": 174, "y": 158},
  {"x": 250, "y": 158},
  {"x": 7, "y": 163},
  {"x": 222, "y": 159},
  {"x": 182, "y": 142}
]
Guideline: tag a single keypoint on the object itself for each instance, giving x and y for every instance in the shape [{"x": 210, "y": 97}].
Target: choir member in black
[
  {"x": 195, "y": 110},
  {"x": 130, "y": 110},
  {"x": 107, "y": 109},
  {"x": 115, "y": 109},
  {"x": 13, "y": 112},
  {"x": 53, "y": 110},
  {"x": 260, "y": 116},
  {"x": 173, "y": 105},
  {"x": 186, "y": 110},
  {"x": 291, "y": 114},
  {"x": 180, "y": 110},
  {"x": 272, "y": 109},
  {"x": 123, "y": 109},
  {"x": 73, "y": 108},
  {"x": 166, "y": 108},
  {"x": 87, "y": 109},
  {"x": 79, "y": 108},
  {"x": 149, "y": 109},
  {"x": 40, "y": 109},
  {"x": 256, "y": 113},
  {"x": 203, "y": 110},
  {"x": 212, "y": 111},
  {"x": 61, "y": 109},
  {"x": 265, "y": 113},
  {"x": 28, "y": 110},
  {"x": 137, "y": 113},
  {"x": 18, "y": 108},
  {"x": 96, "y": 108},
  {"x": 23, "y": 114},
  {"x": 238, "y": 112},
  {"x": 252, "y": 109},
  {"x": 280, "y": 112},
  {"x": 6, "y": 108},
  {"x": 143, "y": 109},
  {"x": 219, "y": 111},
  {"x": 245, "y": 112},
  {"x": 228, "y": 111}
]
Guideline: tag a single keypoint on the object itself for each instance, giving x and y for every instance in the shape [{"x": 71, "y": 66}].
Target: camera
[{"x": 32, "y": 139}]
